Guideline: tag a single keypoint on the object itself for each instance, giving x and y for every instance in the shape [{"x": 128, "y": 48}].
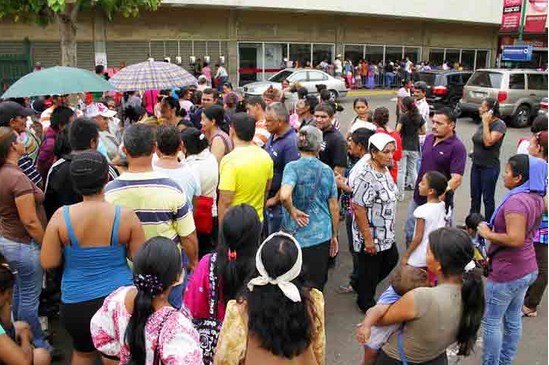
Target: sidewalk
[{"x": 368, "y": 92}]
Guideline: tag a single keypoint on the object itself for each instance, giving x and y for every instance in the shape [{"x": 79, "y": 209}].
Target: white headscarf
[{"x": 283, "y": 281}]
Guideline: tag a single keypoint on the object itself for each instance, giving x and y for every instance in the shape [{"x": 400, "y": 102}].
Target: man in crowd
[
  {"x": 334, "y": 147},
  {"x": 442, "y": 152},
  {"x": 14, "y": 115},
  {"x": 256, "y": 109},
  {"x": 403, "y": 92},
  {"x": 420, "y": 91},
  {"x": 157, "y": 200},
  {"x": 245, "y": 173},
  {"x": 59, "y": 189},
  {"x": 209, "y": 98},
  {"x": 282, "y": 147}
]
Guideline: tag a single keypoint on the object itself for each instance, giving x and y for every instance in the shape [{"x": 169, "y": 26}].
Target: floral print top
[{"x": 172, "y": 335}]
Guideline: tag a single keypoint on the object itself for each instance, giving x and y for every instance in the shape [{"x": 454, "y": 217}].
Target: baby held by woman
[{"x": 374, "y": 337}]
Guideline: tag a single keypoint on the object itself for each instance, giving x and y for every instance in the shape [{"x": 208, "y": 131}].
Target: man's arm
[
  {"x": 455, "y": 181},
  {"x": 225, "y": 200},
  {"x": 190, "y": 246}
]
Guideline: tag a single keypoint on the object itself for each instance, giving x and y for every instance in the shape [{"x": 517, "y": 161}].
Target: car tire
[
  {"x": 333, "y": 95},
  {"x": 457, "y": 111},
  {"x": 522, "y": 115}
]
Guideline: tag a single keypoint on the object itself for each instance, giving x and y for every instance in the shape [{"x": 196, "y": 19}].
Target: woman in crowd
[
  {"x": 199, "y": 158},
  {"x": 136, "y": 324},
  {"x": 185, "y": 102},
  {"x": 512, "y": 256},
  {"x": 15, "y": 338},
  {"x": 272, "y": 95},
  {"x": 487, "y": 142},
  {"x": 239, "y": 239},
  {"x": 538, "y": 148},
  {"x": 309, "y": 194},
  {"x": 374, "y": 206},
  {"x": 381, "y": 120},
  {"x": 220, "y": 142},
  {"x": 170, "y": 112},
  {"x": 363, "y": 116},
  {"x": 304, "y": 109},
  {"x": 94, "y": 259},
  {"x": 22, "y": 221},
  {"x": 60, "y": 118},
  {"x": 169, "y": 146},
  {"x": 278, "y": 321},
  {"x": 437, "y": 317},
  {"x": 358, "y": 151},
  {"x": 410, "y": 126}
]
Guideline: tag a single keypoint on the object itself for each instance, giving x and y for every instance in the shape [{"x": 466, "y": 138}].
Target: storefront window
[
  {"x": 452, "y": 56},
  {"x": 374, "y": 54},
  {"x": 468, "y": 59},
  {"x": 275, "y": 53},
  {"x": 354, "y": 52},
  {"x": 436, "y": 57},
  {"x": 322, "y": 52},
  {"x": 250, "y": 66},
  {"x": 414, "y": 53},
  {"x": 482, "y": 59},
  {"x": 300, "y": 54},
  {"x": 393, "y": 53}
]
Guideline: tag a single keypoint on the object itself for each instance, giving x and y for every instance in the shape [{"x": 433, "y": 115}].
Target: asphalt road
[{"x": 341, "y": 311}]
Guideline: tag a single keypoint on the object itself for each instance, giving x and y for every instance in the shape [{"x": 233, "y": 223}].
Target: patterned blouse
[
  {"x": 235, "y": 343},
  {"x": 172, "y": 335}
]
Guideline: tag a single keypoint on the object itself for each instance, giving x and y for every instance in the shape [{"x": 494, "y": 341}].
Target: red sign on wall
[
  {"x": 536, "y": 16},
  {"x": 510, "y": 20}
]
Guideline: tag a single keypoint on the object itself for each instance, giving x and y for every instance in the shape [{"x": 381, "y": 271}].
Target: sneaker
[{"x": 345, "y": 289}]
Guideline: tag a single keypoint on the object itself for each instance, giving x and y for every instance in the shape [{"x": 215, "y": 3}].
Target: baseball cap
[
  {"x": 310, "y": 139},
  {"x": 380, "y": 140},
  {"x": 10, "y": 110},
  {"x": 421, "y": 85},
  {"x": 95, "y": 109}
]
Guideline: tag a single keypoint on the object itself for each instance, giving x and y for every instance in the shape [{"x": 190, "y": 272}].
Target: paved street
[{"x": 341, "y": 311}]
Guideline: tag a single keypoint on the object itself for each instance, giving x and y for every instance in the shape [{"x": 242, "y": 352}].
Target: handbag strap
[
  {"x": 400, "y": 344},
  {"x": 212, "y": 295},
  {"x": 156, "y": 359}
]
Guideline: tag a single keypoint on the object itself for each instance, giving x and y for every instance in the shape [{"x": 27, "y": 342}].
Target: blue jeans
[
  {"x": 503, "y": 304},
  {"x": 25, "y": 258},
  {"x": 222, "y": 81},
  {"x": 389, "y": 77},
  {"x": 483, "y": 186},
  {"x": 407, "y": 172},
  {"x": 273, "y": 219}
]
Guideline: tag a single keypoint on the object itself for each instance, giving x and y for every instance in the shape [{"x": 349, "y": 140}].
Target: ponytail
[
  {"x": 449, "y": 201},
  {"x": 135, "y": 332},
  {"x": 472, "y": 299}
]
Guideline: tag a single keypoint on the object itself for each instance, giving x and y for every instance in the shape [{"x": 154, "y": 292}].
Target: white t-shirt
[
  {"x": 185, "y": 177},
  {"x": 206, "y": 166},
  {"x": 434, "y": 215},
  {"x": 523, "y": 147},
  {"x": 403, "y": 92},
  {"x": 359, "y": 123}
]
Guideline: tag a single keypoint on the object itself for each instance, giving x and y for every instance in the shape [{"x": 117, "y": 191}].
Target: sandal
[{"x": 528, "y": 312}]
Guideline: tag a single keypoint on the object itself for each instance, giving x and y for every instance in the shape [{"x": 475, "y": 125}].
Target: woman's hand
[
  {"x": 340, "y": 181},
  {"x": 334, "y": 246},
  {"x": 300, "y": 217},
  {"x": 483, "y": 230},
  {"x": 369, "y": 246},
  {"x": 404, "y": 260}
]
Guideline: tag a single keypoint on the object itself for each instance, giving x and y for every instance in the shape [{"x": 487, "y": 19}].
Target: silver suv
[{"x": 518, "y": 91}]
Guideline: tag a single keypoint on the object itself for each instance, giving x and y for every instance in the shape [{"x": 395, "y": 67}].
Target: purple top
[
  {"x": 447, "y": 157},
  {"x": 282, "y": 150},
  {"x": 512, "y": 263}
]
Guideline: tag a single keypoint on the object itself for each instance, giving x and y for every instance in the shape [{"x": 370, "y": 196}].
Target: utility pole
[{"x": 522, "y": 19}]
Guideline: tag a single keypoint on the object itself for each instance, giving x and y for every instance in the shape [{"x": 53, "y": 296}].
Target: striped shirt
[
  {"x": 157, "y": 200},
  {"x": 261, "y": 134},
  {"x": 27, "y": 166}
]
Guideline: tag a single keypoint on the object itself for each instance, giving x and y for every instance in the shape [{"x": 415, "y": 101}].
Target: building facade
[{"x": 254, "y": 38}]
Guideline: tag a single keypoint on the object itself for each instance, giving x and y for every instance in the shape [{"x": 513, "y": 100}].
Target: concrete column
[
  {"x": 231, "y": 59},
  {"x": 100, "y": 37},
  {"x": 339, "y": 44}
]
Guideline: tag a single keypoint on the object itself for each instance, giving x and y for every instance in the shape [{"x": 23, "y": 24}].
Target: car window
[
  {"x": 516, "y": 82},
  {"x": 537, "y": 81},
  {"x": 454, "y": 79},
  {"x": 466, "y": 77},
  {"x": 486, "y": 79},
  {"x": 298, "y": 76},
  {"x": 427, "y": 77},
  {"x": 317, "y": 76},
  {"x": 280, "y": 76}
]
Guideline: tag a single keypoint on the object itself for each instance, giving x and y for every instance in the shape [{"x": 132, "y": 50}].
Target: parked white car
[{"x": 309, "y": 78}]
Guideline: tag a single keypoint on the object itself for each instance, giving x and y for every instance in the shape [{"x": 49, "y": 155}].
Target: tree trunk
[{"x": 67, "y": 32}]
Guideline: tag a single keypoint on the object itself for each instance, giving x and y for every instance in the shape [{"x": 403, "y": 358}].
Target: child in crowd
[
  {"x": 373, "y": 337},
  {"x": 363, "y": 117},
  {"x": 471, "y": 223},
  {"x": 430, "y": 216}
]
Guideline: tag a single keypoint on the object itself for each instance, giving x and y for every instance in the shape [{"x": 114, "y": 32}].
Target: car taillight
[
  {"x": 502, "y": 96},
  {"x": 543, "y": 106},
  {"x": 439, "y": 90}
]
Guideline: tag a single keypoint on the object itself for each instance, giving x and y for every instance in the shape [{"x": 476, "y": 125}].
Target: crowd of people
[{"x": 193, "y": 226}]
